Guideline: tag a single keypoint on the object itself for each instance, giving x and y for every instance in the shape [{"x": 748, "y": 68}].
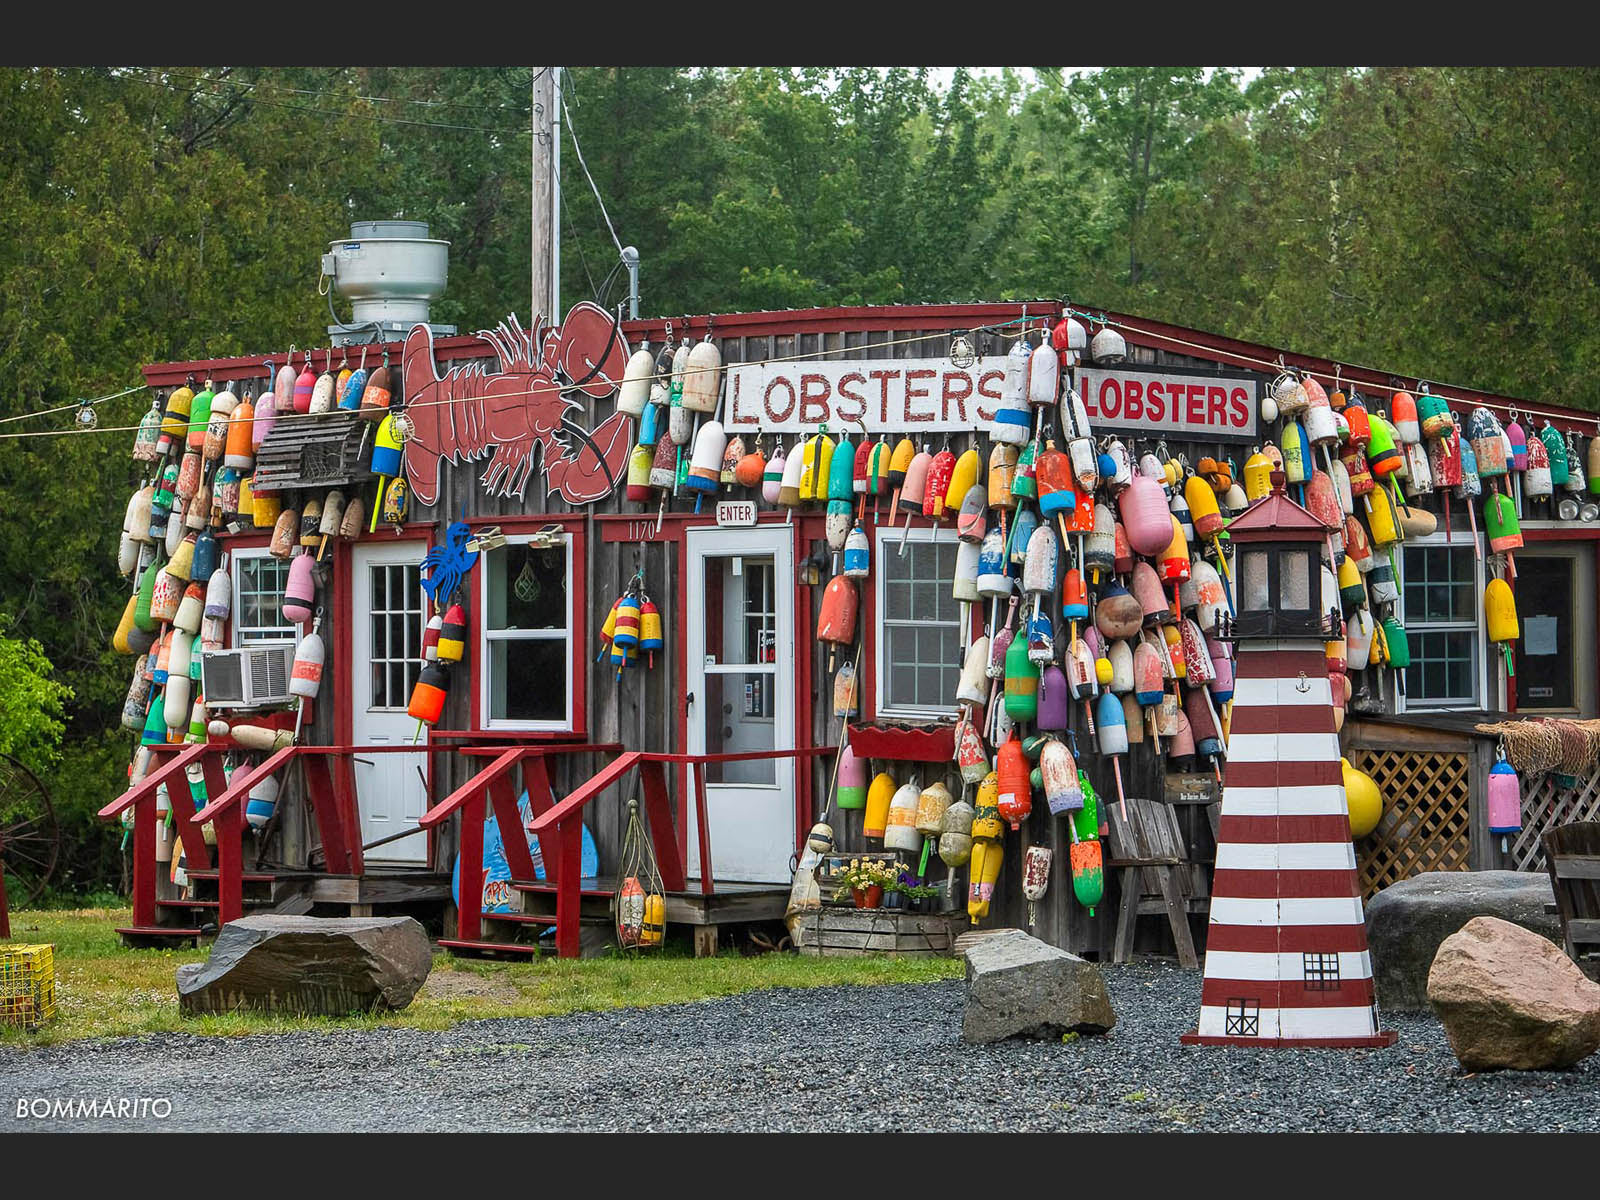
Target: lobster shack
[{"x": 742, "y": 611}]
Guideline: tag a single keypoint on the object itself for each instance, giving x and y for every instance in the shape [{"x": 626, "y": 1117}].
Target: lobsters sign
[{"x": 934, "y": 395}]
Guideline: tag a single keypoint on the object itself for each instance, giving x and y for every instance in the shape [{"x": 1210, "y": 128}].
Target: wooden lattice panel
[
  {"x": 1546, "y": 805},
  {"x": 1426, "y": 824}
]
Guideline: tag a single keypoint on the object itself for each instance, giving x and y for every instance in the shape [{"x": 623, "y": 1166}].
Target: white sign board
[
  {"x": 934, "y": 395},
  {"x": 736, "y": 514},
  {"x": 1170, "y": 402},
  {"x": 890, "y": 394}
]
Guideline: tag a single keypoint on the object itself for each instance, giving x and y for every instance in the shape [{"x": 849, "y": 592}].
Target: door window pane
[
  {"x": 738, "y": 713},
  {"x": 394, "y": 633},
  {"x": 1545, "y": 655}
]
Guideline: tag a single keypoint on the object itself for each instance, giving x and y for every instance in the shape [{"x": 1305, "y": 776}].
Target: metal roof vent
[{"x": 390, "y": 271}]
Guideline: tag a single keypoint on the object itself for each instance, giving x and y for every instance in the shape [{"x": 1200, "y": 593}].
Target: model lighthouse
[{"x": 1286, "y": 956}]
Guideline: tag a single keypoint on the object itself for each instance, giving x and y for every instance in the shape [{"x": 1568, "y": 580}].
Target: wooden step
[
  {"x": 470, "y": 949},
  {"x": 136, "y": 936},
  {"x": 247, "y": 876},
  {"x": 189, "y": 903},
  {"x": 520, "y": 918},
  {"x": 590, "y": 887}
]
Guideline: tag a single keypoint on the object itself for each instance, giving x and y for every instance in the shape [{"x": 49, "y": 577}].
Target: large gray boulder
[
  {"x": 1018, "y": 986},
  {"x": 1408, "y": 921},
  {"x": 1508, "y": 999},
  {"x": 326, "y": 966}
]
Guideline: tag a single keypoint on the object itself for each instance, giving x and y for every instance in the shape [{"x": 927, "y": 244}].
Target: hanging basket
[{"x": 641, "y": 901}]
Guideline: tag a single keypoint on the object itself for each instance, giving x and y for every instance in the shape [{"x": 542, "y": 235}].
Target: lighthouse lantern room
[{"x": 1286, "y": 956}]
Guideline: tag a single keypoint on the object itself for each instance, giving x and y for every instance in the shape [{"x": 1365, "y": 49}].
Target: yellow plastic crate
[{"x": 27, "y": 985}]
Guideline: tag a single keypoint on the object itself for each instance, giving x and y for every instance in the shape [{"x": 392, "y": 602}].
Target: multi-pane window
[
  {"x": 919, "y": 651},
  {"x": 1243, "y": 1019},
  {"x": 395, "y": 649},
  {"x": 1440, "y": 590},
  {"x": 527, "y": 669},
  {"x": 258, "y": 582},
  {"x": 1321, "y": 971}
]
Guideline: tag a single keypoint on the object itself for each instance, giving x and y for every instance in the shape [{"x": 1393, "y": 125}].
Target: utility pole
[{"x": 543, "y": 195}]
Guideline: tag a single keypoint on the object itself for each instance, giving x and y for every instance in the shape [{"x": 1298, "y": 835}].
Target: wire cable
[
  {"x": 573, "y": 133},
  {"x": 45, "y": 412}
]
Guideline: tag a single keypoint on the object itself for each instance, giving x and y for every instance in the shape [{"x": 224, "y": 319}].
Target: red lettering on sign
[
  {"x": 1110, "y": 400},
  {"x": 856, "y": 410},
  {"x": 1217, "y": 405},
  {"x": 766, "y": 400},
  {"x": 1155, "y": 401},
  {"x": 883, "y": 402},
  {"x": 989, "y": 384},
  {"x": 1194, "y": 408},
  {"x": 953, "y": 379},
  {"x": 913, "y": 392},
  {"x": 813, "y": 399},
  {"x": 1133, "y": 399},
  {"x": 1240, "y": 401}
]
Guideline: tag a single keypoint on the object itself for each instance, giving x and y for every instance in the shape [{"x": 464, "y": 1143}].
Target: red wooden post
[
  {"x": 658, "y": 809},
  {"x": 703, "y": 824},
  {"x": 513, "y": 836},
  {"x": 144, "y": 860},
  {"x": 569, "y": 894},
  {"x": 536, "y": 779},
  {"x": 469, "y": 906},
  {"x": 330, "y": 820},
  {"x": 183, "y": 810},
  {"x": 230, "y": 853}
]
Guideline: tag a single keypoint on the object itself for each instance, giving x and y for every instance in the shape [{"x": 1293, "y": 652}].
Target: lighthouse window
[
  {"x": 258, "y": 582},
  {"x": 919, "y": 649},
  {"x": 1322, "y": 972},
  {"x": 1243, "y": 1019},
  {"x": 527, "y": 645},
  {"x": 1439, "y": 587}
]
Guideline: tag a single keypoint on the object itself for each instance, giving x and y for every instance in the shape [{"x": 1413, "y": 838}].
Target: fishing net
[
  {"x": 641, "y": 904},
  {"x": 1549, "y": 744}
]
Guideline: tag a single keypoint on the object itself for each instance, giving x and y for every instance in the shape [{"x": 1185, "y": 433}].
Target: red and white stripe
[{"x": 1285, "y": 883}]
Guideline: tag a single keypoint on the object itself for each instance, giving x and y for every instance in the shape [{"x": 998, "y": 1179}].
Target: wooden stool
[{"x": 1148, "y": 843}]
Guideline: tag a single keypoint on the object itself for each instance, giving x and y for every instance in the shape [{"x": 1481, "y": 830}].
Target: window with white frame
[
  {"x": 1440, "y": 588},
  {"x": 527, "y": 635},
  {"x": 919, "y": 621},
  {"x": 258, "y": 583}
]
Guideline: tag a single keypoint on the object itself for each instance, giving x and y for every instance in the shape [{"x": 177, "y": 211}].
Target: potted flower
[
  {"x": 912, "y": 893},
  {"x": 866, "y": 881}
]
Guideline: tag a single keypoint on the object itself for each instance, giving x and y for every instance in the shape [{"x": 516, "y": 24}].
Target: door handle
[
  {"x": 689, "y": 699},
  {"x": 366, "y": 762}
]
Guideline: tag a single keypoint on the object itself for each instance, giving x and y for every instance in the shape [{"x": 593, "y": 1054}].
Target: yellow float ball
[{"x": 1366, "y": 803}]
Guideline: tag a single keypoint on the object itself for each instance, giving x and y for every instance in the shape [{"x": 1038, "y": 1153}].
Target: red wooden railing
[
  {"x": 559, "y": 826},
  {"x": 330, "y": 790},
  {"x": 142, "y": 798}
]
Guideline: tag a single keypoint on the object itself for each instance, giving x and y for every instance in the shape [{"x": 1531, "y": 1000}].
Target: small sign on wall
[
  {"x": 735, "y": 514},
  {"x": 1171, "y": 401}
]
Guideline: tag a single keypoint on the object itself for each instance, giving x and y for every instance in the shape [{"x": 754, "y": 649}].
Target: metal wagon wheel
[{"x": 30, "y": 838}]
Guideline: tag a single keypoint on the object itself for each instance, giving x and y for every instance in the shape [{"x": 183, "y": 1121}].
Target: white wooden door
[
  {"x": 387, "y": 611},
  {"x": 740, "y": 646}
]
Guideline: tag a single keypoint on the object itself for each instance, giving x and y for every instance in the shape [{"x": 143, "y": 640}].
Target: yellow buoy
[
  {"x": 1364, "y": 799},
  {"x": 1500, "y": 612},
  {"x": 962, "y": 480}
]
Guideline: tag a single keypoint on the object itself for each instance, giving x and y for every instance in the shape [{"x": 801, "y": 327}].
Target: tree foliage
[{"x": 1438, "y": 222}]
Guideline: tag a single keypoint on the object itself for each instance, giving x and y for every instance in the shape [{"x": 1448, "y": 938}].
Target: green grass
[{"x": 104, "y": 990}]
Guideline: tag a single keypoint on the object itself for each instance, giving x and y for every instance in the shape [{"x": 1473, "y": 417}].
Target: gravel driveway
[{"x": 840, "y": 1058}]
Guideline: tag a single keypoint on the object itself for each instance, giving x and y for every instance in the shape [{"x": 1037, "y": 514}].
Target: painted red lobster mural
[{"x": 469, "y": 411}]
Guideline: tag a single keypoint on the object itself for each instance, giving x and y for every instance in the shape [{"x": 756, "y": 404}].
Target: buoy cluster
[{"x": 196, "y": 449}]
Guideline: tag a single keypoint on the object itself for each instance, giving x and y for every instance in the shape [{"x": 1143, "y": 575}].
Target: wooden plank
[{"x": 1576, "y": 866}]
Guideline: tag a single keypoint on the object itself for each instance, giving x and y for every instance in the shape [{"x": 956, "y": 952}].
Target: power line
[
  {"x": 45, "y": 412},
  {"x": 579, "y": 150}
]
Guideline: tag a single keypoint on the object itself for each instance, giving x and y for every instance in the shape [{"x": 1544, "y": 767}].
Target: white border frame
[
  {"x": 1484, "y": 701},
  {"x": 919, "y": 533},
  {"x": 486, "y": 661}
]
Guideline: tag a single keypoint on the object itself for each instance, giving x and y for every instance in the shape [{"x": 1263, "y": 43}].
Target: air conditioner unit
[{"x": 253, "y": 678}]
